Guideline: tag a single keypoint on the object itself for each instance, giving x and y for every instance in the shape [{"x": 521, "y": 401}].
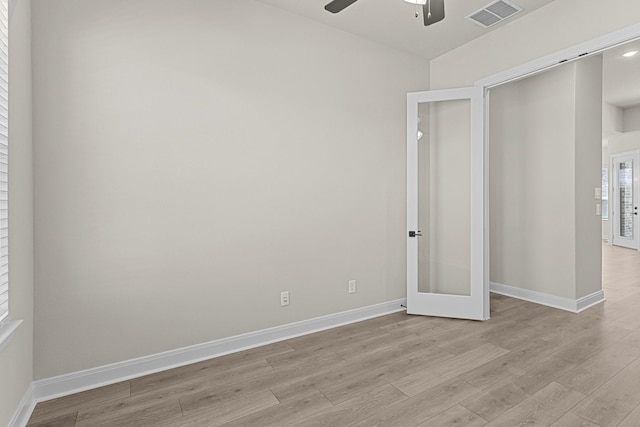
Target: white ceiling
[
  {"x": 393, "y": 23},
  {"x": 621, "y": 76}
]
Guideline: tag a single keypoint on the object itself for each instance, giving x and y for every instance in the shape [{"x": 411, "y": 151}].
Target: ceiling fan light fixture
[{"x": 432, "y": 10}]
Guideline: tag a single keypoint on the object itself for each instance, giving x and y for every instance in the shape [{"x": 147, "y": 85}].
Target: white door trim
[
  {"x": 591, "y": 47},
  {"x": 579, "y": 51}
]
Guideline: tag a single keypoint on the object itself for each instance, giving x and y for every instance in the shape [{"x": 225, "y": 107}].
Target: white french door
[
  {"x": 624, "y": 209},
  {"x": 446, "y": 206}
]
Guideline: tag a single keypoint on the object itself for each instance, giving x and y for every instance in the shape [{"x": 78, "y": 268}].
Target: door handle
[{"x": 415, "y": 233}]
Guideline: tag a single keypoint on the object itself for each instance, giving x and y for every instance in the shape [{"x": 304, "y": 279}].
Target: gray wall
[
  {"x": 546, "y": 148},
  {"x": 631, "y": 119},
  {"x": 193, "y": 159},
  {"x": 588, "y": 174},
  {"x": 612, "y": 119},
  {"x": 16, "y": 359},
  {"x": 532, "y": 183},
  {"x": 628, "y": 141}
]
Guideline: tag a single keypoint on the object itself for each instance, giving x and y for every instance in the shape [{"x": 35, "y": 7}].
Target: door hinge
[{"x": 415, "y": 233}]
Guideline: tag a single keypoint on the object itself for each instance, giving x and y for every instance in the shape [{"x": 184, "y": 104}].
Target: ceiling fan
[{"x": 432, "y": 10}]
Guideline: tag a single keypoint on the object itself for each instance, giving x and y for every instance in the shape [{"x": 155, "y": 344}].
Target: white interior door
[
  {"x": 625, "y": 200},
  {"x": 446, "y": 229}
]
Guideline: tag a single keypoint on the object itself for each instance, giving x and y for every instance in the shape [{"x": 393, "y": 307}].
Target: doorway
[{"x": 589, "y": 294}]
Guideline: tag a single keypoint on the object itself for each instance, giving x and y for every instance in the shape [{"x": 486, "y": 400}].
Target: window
[
  {"x": 4, "y": 157},
  {"x": 605, "y": 194}
]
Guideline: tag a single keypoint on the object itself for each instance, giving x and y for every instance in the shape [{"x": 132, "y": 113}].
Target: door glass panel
[
  {"x": 625, "y": 183},
  {"x": 444, "y": 198}
]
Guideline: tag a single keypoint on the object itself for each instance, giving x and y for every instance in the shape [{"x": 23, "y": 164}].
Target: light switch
[
  {"x": 598, "y": 193},
  {"x": 598, "y": 209}
]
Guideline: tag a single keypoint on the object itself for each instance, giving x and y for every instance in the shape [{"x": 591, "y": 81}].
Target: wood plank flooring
[{"x": 528, "y": 365}]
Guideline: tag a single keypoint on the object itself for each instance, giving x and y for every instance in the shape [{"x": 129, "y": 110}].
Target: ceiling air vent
[{"x": 493, "y": 13}]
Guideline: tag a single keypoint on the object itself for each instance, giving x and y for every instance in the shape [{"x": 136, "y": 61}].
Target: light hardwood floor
[{"x": 528, "y": 365}]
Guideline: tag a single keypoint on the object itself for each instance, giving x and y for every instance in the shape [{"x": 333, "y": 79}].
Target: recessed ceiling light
[
  {"x": 630, "y": 54},
  {"x": 416, "y": 1}
]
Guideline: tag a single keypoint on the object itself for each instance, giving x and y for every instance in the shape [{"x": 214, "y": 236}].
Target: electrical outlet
[
  {"x": 284, "y": 298},
  {"x": 352, "y": 286}
]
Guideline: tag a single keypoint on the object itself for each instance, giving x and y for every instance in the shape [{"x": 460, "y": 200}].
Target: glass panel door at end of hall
[{"x": 624, "y": 209}]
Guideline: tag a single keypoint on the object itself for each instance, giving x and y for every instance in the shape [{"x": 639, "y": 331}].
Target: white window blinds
[{"x": 4, "y": 159}]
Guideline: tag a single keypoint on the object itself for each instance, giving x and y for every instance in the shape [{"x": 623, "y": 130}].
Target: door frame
[
  {"x": 615, "y": 194},
  {"x": 579, "y": 51}
]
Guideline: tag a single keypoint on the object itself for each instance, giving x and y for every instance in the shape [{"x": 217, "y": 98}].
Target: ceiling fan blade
[
  {"x": 433, "y": 11},
  {"x": 337, "y": 5}
]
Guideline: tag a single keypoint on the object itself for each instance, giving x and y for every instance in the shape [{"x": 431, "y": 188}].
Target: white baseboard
[
  {"x": 75, "y": 382},
  {"x": 567, "y": 304},
  {"x": 590, "y": 300},
  {"x": 23, "y": 413}
]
